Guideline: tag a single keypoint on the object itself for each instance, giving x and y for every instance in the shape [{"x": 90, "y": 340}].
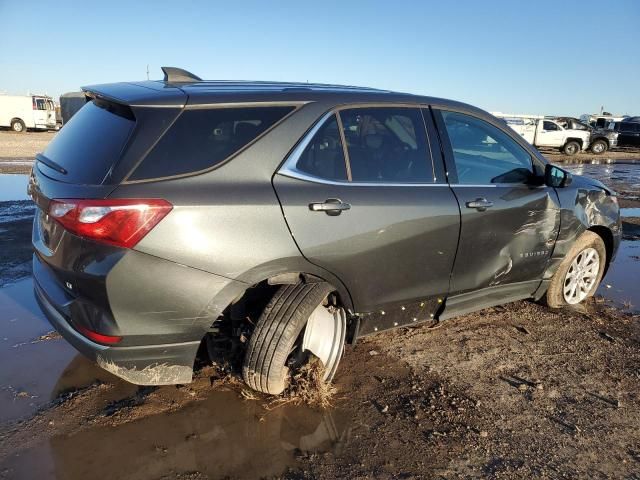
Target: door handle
[
  {"x": 331, "y": 206},
  {"x": 480, "y": 204}
]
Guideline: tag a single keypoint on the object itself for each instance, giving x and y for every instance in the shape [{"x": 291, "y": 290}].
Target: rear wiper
[{"x": 50, "y": 163}]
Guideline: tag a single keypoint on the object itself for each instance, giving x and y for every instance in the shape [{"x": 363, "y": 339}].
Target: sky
[{"x": 534, "y": 57}]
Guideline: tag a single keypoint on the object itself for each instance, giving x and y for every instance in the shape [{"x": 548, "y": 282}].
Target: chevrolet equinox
[{"x": 289, "y": 219}]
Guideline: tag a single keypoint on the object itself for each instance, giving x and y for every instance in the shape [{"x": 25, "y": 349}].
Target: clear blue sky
[{"x": 540, "y": 56}]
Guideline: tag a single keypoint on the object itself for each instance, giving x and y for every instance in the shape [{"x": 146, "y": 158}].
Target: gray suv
[{"x": 285, "y": 220}]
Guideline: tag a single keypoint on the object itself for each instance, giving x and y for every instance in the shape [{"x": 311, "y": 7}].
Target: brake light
[
  {"x": 119, "y": 222},
  {"x": 98, "y": 337}
]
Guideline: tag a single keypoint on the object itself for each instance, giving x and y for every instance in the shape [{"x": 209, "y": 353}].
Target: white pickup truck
[{"x": 543, "y": 132}]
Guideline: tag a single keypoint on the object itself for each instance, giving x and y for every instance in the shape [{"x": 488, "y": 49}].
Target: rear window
[
  {"x": 90, "y": 143},
  {"x": 201, "y": 139}
]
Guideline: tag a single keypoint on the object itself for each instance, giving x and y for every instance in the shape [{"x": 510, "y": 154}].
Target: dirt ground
[
  {"x": 510, "y": 392},
  {"x": 517, "y": 391}
]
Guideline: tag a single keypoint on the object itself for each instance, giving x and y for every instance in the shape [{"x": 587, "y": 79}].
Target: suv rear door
[
  {"x": 509, "y": 220},
  {"x": 364, "y": 200}
]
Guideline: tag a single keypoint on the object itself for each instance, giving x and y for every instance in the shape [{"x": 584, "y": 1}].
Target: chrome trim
[
  {"x": 310, "y": 178},
  {"x": 204, "y": 106},
  {"x": 157, "y": 106}
]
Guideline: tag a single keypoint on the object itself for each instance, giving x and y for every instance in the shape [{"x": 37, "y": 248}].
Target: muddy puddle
[{"x": 219, "y": 436}]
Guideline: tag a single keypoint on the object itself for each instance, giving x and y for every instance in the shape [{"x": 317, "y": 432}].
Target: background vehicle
[
  {"x": 70, "y": 103},
  {"x": 285, "y": 220},
  {"x": 602, "y": 120},
  {"x": 600, "y": 139},
  {"x": 629, "y": 133},
  {"x": 546, "y": 133},
  {"x": 20, "y": 112}
]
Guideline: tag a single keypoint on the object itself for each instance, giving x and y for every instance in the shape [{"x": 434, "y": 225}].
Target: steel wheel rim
[
  {"x": 17, "y": 127},
  {"x": 581, "y": 276},
  {"x": 324, "y": 337}
]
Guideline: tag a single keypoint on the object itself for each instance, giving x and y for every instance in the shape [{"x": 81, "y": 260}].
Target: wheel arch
[{"x": 606, "y": 235}]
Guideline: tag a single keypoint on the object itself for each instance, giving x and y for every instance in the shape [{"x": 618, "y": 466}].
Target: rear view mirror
[{"x": 556, "y": 177}]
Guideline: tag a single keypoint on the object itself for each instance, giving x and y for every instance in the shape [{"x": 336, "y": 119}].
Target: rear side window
[
  {"x": 324, "y": 156},
  {"x": 387, "y": 145},
  {"x": 90, "y": 143},
  {"x": 201, "y": 139}
]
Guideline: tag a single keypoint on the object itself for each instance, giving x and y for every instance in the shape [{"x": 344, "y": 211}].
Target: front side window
[
  {"x": 387, "y": 145},
  {"x": 549, "y": 126},
  {"x": 202, "y": 138},
  {"x": 483, "y": 153},
  {"x": 324, "y": 157}
]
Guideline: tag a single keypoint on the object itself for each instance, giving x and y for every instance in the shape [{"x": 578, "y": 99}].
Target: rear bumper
[
  {"x": 143, "y": 365},
  {"x": 161, "y": 310}
]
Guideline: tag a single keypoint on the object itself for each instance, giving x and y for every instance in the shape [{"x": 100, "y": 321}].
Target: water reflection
[
  {"x": 13, "y": 186},
  {"x": 222, "y": 436},
  {"x": 622, "y": 279}
]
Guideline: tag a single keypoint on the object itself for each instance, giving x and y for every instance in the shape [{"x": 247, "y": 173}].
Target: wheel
[
  {"x": 580, "y": 272},
  {"x": 571, "y": 148},
  {"x": 599, "y": 146},
  {"x": 18, "y": 126},
  {"x": 300, "y": 320}
]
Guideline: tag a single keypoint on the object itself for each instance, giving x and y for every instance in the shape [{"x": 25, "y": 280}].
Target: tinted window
[
  {"x": 549, "y": 126},
  {"x": 200, "y": 139},
  {"x": 485, "y": 154},
  {"x": 324, "y": 156},
  {"x": 90, "y": 143},
  {"x": 387, "y": 145}
]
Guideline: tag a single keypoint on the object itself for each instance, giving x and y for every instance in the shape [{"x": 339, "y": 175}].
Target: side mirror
[{"x": 556, "y": 177}]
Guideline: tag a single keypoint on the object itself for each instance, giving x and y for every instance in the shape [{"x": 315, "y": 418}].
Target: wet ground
[{"x": 515, "y": 391}]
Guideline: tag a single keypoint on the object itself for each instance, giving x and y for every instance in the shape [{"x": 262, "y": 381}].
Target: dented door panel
[{"x": 507, "y": 243}]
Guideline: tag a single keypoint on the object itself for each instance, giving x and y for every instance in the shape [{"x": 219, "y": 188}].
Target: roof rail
[{"x": 177, "y": 75}]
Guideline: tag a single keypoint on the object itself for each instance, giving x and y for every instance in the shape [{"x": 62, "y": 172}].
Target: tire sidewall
[
  {"x": 599, "y": 142},
  {"x": 16, "y": 123},
  {"x": 589, "y": 239}
]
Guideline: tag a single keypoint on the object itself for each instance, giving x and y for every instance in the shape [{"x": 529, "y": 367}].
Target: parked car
[
  {"x": 21, "y": 112},
  {"x": 544, "y": 132},
  {"x": 628, "y": 133},
  {"x": 600, "y": 139},
  {"x": 289, "y": 219}
]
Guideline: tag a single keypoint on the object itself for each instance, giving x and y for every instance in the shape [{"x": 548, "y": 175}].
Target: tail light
[
  {"x": 98, "y": 337},
  {"x": 119, "y": 222}
]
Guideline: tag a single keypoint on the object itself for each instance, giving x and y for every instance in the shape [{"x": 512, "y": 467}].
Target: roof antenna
[{"x": 178, "y": 75}]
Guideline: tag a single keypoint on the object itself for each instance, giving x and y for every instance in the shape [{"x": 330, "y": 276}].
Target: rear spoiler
[{"x": 139, "y": 94}]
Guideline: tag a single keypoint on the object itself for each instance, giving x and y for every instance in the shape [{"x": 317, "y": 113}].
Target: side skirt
[{"x": 461, "y": 304}]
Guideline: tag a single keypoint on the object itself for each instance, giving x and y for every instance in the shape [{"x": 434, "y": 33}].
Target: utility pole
[{"x": 147, "y": 71}]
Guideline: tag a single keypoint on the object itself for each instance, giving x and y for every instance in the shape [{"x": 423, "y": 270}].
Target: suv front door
[
  {"x": 364, "y": 200},
  {"x": 509, "y": 220}
]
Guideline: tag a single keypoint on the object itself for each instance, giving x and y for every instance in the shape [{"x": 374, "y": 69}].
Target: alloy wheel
[{"x": 581, "y": 276}]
